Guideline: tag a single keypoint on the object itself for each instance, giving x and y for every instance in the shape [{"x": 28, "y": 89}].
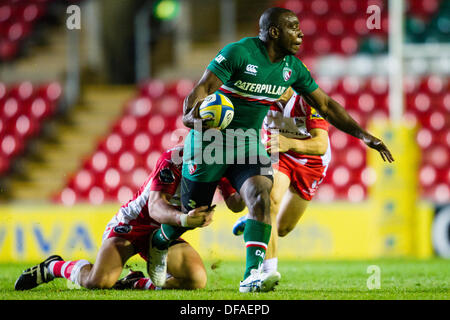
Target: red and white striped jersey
[
  {"x": 166, "y": 178},
  {"x": 296, "y": 120}
]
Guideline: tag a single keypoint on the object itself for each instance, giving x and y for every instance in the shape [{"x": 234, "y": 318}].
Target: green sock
[
  {"x": 166, "y": 234},
  {"x": 256, "y": 237}
]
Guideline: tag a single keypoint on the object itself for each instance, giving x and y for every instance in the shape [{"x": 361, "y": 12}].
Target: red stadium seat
[
  {"x": 67, "y": 197},
  {"x": 427, "y": 175},
  {"x": 348, "y": 7},
  {"x": 326, "y": 193},
  {"x": 141, "y": 143},
  {"x": 356, "y": 192},
  {"x": 83, "y": 180},
  {"x": 320, "y": 7},
  {"x": 355, "y": 158},
  {"x": 22, "y": 91},
  {"x": 322, "y": 45},
  {"x": 123, "y": 195},
  {"x": 443, "y": 102},
  {"x": 437, "y": 156},
  {"x": 296, "y": 6},
  {"x": 25, "y": 126},
  {"x": 181, "y": 88},
  {"x": 9, "y": 108},
  {"x": 153, "y": 89},
  {"x": 419, "y": 102},
  {"x": 436, "y": 120},
  {"x": 156, "y": 124},
  {"x": 433, "y": 84},
  {"x": 440, "y": 193},
  {"x": 40, "y": 109},
  {"x": 127, "y": 161},
  {"x": 152, "y": 157},
  {"x": 139, "y": 107},
  {"x": 11, "y": 145},
  {"x": 425, "y": 138},
  {"x": 348, "y": 45},
  {"x": 378, "y": 85},
  {"x": 309, "y": 26},
  {"x": 338, "y": 139},
  {"x": 341, "y": 176},
  {"x": 139, "y": 176},
  {"x": 335, "y": 26},
  {"x": 170, "y": 105},
  {"x": 126, "y": 126},
  {"x": 368, "y": 176},
  {"x": 98, "y": 162},
  {"x": 112, "y": 179},
  {"x": 366, "y": 103},
  {"x": 96, "y": 196},
  {"x": 5, "y": 12},
  {"x": 50, "y": 92}
]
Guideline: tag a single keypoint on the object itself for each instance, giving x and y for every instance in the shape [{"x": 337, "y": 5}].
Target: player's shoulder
[
  {"x": 296, "y": 62},
  {"x": 173, "y": 156},
  {"x": 244, "y": 46}
]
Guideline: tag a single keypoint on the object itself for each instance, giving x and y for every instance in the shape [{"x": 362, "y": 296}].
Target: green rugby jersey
[{"x": 253, "y": 82}]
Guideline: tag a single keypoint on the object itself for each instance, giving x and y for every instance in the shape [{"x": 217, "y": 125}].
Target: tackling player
[
  {"x": 128, "y": 233},
  {"x": 253, "y": 73},
  {"x": 301, "y": 139}
]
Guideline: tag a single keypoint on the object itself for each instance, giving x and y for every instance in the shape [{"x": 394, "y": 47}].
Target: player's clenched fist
[{"x": 198, "y": 217}]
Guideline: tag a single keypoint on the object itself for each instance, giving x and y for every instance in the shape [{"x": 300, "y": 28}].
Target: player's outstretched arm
[
  {"x": 335, "y": 114},
  {"x": 163, "y": 212},
  {"x": 208, "y": 84},
  {"x": 317, "y": 145}
]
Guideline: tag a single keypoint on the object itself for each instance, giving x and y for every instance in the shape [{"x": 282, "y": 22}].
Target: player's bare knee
[{"x": 258, "y": 202}]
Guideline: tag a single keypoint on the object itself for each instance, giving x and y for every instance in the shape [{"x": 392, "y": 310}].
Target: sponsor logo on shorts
[{"x": 123, "y": 229}]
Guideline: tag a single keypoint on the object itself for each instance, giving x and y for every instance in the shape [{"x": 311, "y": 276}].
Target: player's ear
[{"x": 274, "y": 32}]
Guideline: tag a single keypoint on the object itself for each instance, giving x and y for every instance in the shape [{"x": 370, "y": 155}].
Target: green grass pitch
[{"x": 402, "y": 279}]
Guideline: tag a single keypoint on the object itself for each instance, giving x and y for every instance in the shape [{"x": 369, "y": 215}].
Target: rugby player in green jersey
[{"x": 253, "y": 72}]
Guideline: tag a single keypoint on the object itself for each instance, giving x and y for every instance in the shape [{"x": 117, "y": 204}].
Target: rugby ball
[{"x": 219, "y": 109}]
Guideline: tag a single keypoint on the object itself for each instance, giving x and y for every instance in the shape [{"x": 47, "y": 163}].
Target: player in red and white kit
[
  {"x": 128, "y": 233},
  {"x": 299, "y": 135}
]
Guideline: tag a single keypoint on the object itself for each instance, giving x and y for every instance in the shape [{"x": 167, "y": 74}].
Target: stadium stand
[{"x": 24, "y": 108}]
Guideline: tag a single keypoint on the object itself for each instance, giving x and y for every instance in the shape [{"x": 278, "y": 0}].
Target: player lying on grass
[
  {"x": 295, "y": 131},
  {"x": 253, "y": 73},
  {"x": 128, "y": 233}
]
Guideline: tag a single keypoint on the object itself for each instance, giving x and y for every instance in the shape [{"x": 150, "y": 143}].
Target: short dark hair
[{"x": 270, "y": 18}]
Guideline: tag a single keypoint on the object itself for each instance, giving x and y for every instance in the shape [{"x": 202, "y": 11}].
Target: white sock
[{"x": 270, "y": 265}]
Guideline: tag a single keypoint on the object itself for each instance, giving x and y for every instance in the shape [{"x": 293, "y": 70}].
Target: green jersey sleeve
[
  {"x": 305, "y": 82},
  {"x": 228, "y": 61}
]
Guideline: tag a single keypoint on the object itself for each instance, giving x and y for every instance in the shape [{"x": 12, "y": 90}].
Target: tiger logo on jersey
[{"x": 315, "y": 114}]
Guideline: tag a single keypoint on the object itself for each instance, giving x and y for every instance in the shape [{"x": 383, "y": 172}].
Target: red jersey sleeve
[
  {"x": 314, "y": 119},
  {"x": 226, "y": 188},
  {"x": 166, "y": 175}
]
